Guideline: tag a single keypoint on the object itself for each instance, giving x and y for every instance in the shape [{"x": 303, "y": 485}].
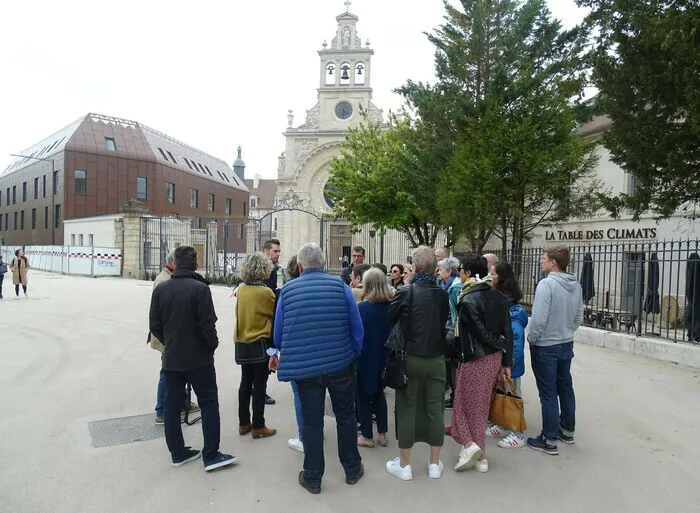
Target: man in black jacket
[
  {"x": 182, "y": 317},
  {"x": 358, "y": 258}
]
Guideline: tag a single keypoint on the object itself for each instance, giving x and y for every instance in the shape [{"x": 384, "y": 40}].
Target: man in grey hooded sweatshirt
[{"x": 556, "y": 315}]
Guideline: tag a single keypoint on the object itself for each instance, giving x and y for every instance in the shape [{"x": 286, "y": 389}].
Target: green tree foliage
[
  {"x": 503, "y": 109},
  {"x": 647, "y": 66},
  {"x": 383, "y": 177}
]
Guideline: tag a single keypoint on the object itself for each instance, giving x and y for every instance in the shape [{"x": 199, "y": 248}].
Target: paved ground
[{"x": 75, "y": 352}]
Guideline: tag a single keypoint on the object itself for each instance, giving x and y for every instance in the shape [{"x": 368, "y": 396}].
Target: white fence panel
[{"x": 74, "y": 260}]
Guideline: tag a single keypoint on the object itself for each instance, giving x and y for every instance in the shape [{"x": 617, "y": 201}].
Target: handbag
[
  {"x": 508, "y": 409},
  {"x": 252, "y": 352},
  {"x": 3, "y": 268},
  {"x": 395, "y": 373}
]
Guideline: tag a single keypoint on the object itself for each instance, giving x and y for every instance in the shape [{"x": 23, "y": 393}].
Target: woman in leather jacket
[{"x": 485, "y": 342}]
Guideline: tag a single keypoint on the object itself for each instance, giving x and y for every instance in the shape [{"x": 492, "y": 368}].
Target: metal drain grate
[{"x": 125, "y": 430}]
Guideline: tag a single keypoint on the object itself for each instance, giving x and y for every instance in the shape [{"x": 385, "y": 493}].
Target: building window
[
  {"x": 8, "y": 196},
  {"x": 44, "y": 187},
  {"x": 275, "y": 224},
  {"x": 170, "y": 192},
  {"x": 7, "y": 222},
  {"x": 163, "y": 153},
  {"x": 72, "y": 239},
  {"x": 228, "y": 206},
  {"x": 14, "y": 194},
  {"x": 57, "y": 213},
  {"x": 80, "y": 240},
  {"x": 36, "y": 188},
  {"x": 21, "y": 220},
  {"x": 55, "y": 182},
  {"x": 141, "y": 188},
  {"x": 212, "y": 204},
  {"x": 187, "y": 162},
  {"x": 0, "y": 223},
  {"x": 194, "y": 198},
  {"x": 15, "y": 221},
  {"x": 33, "y": 219},
  {"x": 241, "y": 231},
  {"x": 46, "y": 218},
  {"x": 245, "y": 209},
  {"x": 110, "y": 144},
  {"x": 253, "y": 203},
  {"x": 172, "y": 158},
  {"x": 24, "y": 192},
  {"x": 91, "y": 240},
  {"x": 80, "y": 182}
]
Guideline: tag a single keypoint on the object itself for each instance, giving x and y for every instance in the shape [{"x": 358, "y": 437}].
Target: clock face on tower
[{"x": 343, "y": 110}]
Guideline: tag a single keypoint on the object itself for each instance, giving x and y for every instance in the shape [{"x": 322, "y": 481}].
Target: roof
[
  {"x": 595, "y": 126},
  {"x": 164, "y": 148},
  {"x": 266, "y": 192}
]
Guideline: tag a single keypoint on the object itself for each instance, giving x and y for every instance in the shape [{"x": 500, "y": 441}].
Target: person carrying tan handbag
[
  {"x": 156, "y": 344},
  {"x": 20, "y": 268}
]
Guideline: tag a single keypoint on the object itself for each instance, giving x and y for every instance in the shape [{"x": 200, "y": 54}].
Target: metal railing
[{"x": 642, "y": 288}]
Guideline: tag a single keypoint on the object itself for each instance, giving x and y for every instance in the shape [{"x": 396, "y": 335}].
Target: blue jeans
[
  {"x": 552, "y": 368},
  {"x": 297, "y": 411},
  {"x": 160, "y": 394},
  {"x": 312, "y": 393},
  {"x": 203, "y": 382}
]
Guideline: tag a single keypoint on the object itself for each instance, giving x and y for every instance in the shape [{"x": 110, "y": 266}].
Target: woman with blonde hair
[
  {"x": 254, "y": 311},
  {"x": 374, "y": 312}
]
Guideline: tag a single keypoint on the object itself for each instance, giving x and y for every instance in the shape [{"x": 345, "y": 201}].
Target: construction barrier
[{"x": 76, "y": 260}]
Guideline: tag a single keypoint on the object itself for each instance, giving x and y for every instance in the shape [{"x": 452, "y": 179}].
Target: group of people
[
  {"x": 462, "y": 327},
  {"x": 19, "y": 267}
]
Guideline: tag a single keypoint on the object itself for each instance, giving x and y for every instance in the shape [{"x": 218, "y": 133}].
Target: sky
[{"x": 214, "y": 74}]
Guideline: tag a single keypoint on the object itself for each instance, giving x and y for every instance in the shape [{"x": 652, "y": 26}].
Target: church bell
[{"x": 345, "y": 75}]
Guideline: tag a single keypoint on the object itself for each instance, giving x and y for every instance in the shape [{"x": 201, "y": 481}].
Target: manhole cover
[{"x": 125, "y": 430}]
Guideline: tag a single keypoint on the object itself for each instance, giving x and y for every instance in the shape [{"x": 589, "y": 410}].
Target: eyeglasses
[{"x": 394, "y": 271}]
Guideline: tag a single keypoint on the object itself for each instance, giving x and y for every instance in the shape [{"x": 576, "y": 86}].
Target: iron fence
[{"x": 644, "y": 288}]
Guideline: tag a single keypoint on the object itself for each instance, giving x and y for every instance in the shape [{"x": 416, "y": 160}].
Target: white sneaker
[
  {"x": 26, "y": 296},
  {"x": 495, "y": 431},
  {"x": 296, "y": 444},
  {"x": 512, "y": 441},
  {"x": 481, "y": 466},
  {"x": 468, "y": 456},
  {"x": 394, "y": 467},
  {"x": 435, "y": 470}
]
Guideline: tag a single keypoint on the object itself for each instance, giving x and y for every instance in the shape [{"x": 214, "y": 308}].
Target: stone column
[{"x": 132, "y": 253}]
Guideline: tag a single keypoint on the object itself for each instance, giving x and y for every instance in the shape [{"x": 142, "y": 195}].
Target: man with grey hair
[
  {"x": 491, "y": 260},
  {"x": 318, "y": 331},
  {"x": 156, "y": 344},
  {"x": 441, "y": 254}
]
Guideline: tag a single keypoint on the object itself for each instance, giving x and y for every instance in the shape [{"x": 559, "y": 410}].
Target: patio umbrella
[
  {"x": 692, "y": 297},
  {"x": 587, "y": 282},
  {"x": 652, "y": 303}
]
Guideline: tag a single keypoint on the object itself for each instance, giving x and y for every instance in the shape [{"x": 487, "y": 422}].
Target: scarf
[
  {"x": 471, "y": 283},
  {"x": 422, "y": 277}
]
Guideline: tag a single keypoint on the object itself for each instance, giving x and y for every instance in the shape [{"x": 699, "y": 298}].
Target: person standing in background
[
  {"x": 356, "y": 282},
  {"x": 272, "y": 250},
  {"x": 3, "y": 270},
  {"x": 20, "y": 268},
  {"x": 358, "y": 258}
]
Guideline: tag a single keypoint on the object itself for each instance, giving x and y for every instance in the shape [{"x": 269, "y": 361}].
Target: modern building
[{"x": 96, "y": 164}]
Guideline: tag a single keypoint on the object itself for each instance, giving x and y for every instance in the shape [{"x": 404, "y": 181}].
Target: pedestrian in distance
[{"x": 20, "y": 269}]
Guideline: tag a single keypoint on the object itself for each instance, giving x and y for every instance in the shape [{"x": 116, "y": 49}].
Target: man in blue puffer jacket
[{"x": 319, "y": 333}]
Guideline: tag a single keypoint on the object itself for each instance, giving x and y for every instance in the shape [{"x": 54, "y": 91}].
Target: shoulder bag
[{"x": 395, "y": 372}]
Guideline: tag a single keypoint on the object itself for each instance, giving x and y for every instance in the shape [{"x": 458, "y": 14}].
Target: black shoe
[
  {"x": 449, "y": 404},
  {"x": 188, "y": 455},
  {"x": 307, "y": 486},
  {"x": 354, "y": 480},
  {"x": 269, "y": 400},
  {"x": 539, "y": 444},
  {"x": 566, "y": 438}
]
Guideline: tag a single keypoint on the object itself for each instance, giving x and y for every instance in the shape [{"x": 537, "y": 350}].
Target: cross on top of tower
[{"x": 348, "y": 3}]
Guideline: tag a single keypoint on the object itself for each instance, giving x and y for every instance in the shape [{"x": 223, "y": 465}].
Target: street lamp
[{"x": 53, "y": 192}]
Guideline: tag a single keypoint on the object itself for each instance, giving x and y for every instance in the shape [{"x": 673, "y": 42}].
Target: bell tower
[{"x": 345, "y": 69}]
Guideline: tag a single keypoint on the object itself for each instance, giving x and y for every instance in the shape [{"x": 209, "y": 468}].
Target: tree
[
  {"x": 647, "y": 66},
  {"x": 504, "y": 107},
  {"x": 384, "y": 177}
]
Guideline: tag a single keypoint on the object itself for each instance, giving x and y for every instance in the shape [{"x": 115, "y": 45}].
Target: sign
[{"x": 609, "y": 234}]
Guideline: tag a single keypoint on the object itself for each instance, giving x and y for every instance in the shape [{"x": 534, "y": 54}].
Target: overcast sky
[{"x": 214, "y": 74}]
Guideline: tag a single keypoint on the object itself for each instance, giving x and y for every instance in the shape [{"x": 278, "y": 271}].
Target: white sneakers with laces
[
  {"x": 512, "y": 441},
  {"x": 394, "y": 467},
  {"x": 468, "y": 456},
  {"x": 435, "y": 470}
]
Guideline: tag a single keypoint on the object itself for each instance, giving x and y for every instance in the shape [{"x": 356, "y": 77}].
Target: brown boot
[
  {"x": 264, "y": 432},
  {"x": 244, "y": 430}
]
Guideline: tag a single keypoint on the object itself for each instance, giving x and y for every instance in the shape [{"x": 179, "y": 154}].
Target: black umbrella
[
  {"x": 587, "y": 282},
  {"x": 652, "y": 303},
  {"x": 692, "y": 297}
]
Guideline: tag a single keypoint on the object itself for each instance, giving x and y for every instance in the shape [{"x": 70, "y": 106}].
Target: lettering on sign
[
  {"x": 609, "y": 234},
  {"x": 106, "y": 263}
]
